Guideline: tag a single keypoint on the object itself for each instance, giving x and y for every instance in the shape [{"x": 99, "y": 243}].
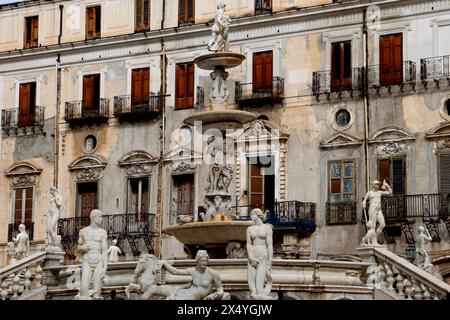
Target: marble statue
[
  {"x": 219, "y": 31},
  {"x": 114, "y": 252},
  {"x": 204, "y": 279},
  {"x": 260, "y": 255},
  {"x": 22, "y": 243},
  {"x": 221, "y": 172},
  {"x": 423, "y": 260},
  {"x": 53, "y": 241},
  {"x": 235, "y": 250},
  {"x": 11, "y": 252},
  {"x": 219, "y": 93},
  {"x": 218, "y": 210},
  {"x": 92, "y": 243},
  {"x": 375, "y": 213}
]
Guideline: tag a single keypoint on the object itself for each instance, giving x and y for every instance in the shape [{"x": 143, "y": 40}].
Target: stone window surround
[
  {"x": 101, "y": 71},
  {"x": 153, "y": 65},
  {"x": 435, "y": 24},
  {"x": 272, "y": 45},
  {"x": 13, "y": 200},
  {"x": 23, "y": 80},
  {"x": 354, "y": 177},
  {"x": 385, "y": 30},
  {"x": 190, "y": 171},
  {"x": 332, "y": 117},
  {"x": 84, "y": 139},
  {"x": 442, "y": 106},
  {"x": 336, "y": 36}
]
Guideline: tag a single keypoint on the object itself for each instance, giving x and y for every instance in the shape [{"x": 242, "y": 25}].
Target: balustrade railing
[
  {"x": 385, "y": 75},
  {"x": 252, "y": 91},
  {"x": 325, "y": 83},
  {"x": 435, "y": 68},
  {"x": 126, "y": 105},
  {"x": 14, "y": 119},
  {"x": 81, "y": 110}
]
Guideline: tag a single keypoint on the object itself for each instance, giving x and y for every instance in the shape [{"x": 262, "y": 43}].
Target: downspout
[
  {"x": 162, "y": 146},
  {"x": 366, "y": 99},
  {"x": 163, "y": 20},
  {"x": 61, "y": 7},
  {"x": 56, "y": 121}
]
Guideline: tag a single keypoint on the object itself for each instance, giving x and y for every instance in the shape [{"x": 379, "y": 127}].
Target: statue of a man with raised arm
[{"x": 92, "y": 243}]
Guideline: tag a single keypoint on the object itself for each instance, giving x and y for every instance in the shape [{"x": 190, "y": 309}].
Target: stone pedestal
[{"x": 51, "y": 274}]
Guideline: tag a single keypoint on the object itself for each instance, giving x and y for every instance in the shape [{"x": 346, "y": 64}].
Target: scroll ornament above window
[
  {"x": 23, "y": 174},
  {"x": 137, "y": 163},
  {"x": 88, "y": 167}
]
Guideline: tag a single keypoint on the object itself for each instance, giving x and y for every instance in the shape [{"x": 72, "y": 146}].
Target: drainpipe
[
  {"x": 162, "y": 131},
  {"x": 366, "y": 99},
  {"x": 61, "y": 7},
  {"x": 163, "y": 14},
  {"x": 56, "y": 121}
]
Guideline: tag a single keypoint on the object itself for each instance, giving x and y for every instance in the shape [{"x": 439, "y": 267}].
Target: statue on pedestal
[
  {"x": 423, "y": 260},
  {"x": 260, "y": 255},
  {"x": 92, "y": 243},
  {"x": 11, "y": 252},
  {"x": 22, "y": 243},
  {"x": 375, "y": 213},
  {"x": 53, "y": 241},
  {"x": 219, "y": 31}
]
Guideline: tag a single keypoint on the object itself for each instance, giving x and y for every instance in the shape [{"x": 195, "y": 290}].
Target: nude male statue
[
  {"x": 375, "y": 213},
  {"x": 53, "y": 240},
  {"x": 92, "y": 243},
  {"x": 22, "y": 243},
  {"x": 422, "y": 239}
]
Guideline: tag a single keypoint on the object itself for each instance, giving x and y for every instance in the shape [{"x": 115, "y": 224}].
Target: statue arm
[
  {"x": 269, "y": 241},
  {"x": 58, "y": 200},
  {"x": 217, "y": 282},
  {"x": 366, "y": 197},
  {"x": 105, "y": 251},
  {"x": 173, "y": 270},
  {"x": 251, "y": 259},
  {"x": 82, "y": 247},
  {"x": 388, "y": 192}
]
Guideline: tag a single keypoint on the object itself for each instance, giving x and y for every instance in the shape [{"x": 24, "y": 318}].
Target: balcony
[
  {"x": 389, "y": 75},
  {"x": 286, "y": 215},
  {"x": 127, "y": 109},
  {"x": 341, "y": 213},
  {"x": 435, "y": 69},
  {"x": 131, "y": 227},
  {"x": 325, "y": 83},
  {"x": 248, "y": 94},
  {"x": 80, "y": 113},
  {"x": 401, "y": 211},
  {"x": 14, "y": 121},
  {"x": 13, "y": 230}
]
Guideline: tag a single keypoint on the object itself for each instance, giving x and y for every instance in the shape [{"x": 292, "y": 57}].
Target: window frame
[
  {"x": 188, "y": 85},
  {"x": 29, "y": 44},
  {"x": 186, "y": 19},
  {"x": 341, "y": 178},
  {"x": 130, "y": 208},
  {"x": 174, "y": 197},
  {"x": 142, "y": 27},
  {"x": 391, "y": 172},
  {"x": 13, "y": 216},
  {"x": 97, "y": 34}
]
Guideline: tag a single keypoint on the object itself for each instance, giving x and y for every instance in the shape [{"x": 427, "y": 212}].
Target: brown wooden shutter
[
  {"x": 268, "y": 70},
  {"x": 145, "y": 85},
  {"x": 98, "y": 21},
  {"x": 190, "y": 85},
  {"x": 384, "y": 170},
  {"x": 444, "y": 173},
  {"x": 341, "y": 66},
  {"x": 190, "y": 10},
  {"x": 24, "y": 103},
  {"x": 34, "y": 32},
  {"x": 391, "y": 59},
  {"x": 182, "y": 11},
  {"x": 138, "y": 14},
  {"x": 90, "y": 23},
  {"x": 262, "y": 70},
  {"x": 145, "y": 196},
  {"x": 181, "y": 80},
  {"x": 258, "y": 72},
  {"x": 88, "y": 92},
  {"x": 136, "y": 87},
  {"x": 89, "y": 198},
  {"x": 146, "y": 15},
  {"x": 18, "y": 206},
  {"x": 28, "y": 205},
  {"x": 256, "y": 186},
  {"x": 398, "y": 176}
]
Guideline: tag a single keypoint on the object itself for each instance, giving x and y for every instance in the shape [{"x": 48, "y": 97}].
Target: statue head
[
  {"x": 21, "y": 227},
  {"x": 421, "y": 229},
  {"x": 257, "y": 213},
  {"x": 221, "y": 5},
  {"x": 202, "y": 258},
  {"x": 376, "y": 185},
  {"x": 114, "y": 242},
  {"x": 96, "y": 217}
]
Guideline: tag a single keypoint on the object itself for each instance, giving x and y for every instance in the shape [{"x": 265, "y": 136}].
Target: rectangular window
[
  {"x": 186, "y": 11},
  {"x": 23, "y": 205},
  {"x": 140, "y": 87},
  {"x": 393, "y": 171},
  {"x": 262, "y": 71},
  {"x": 391, "y": 59},
  {"x": 142, "y": 15},
  {"x": 31, "y": 32},
  {"x": 183, "y": 194},
  {"x": 93, "y": 22},
  {"x": 138, "y": 196},
  {"x": 263, "y": 6},
  {"x": 341, "y": 66},
  {"x": 91, "y": 94},
  {"x": 27, "y": 104},
  {"x": 341, "y": 181},
  {"x": 87, "y": 199},
  {"x": 184, "y": 86},
  {"x": 261, "y": 182},
  {"x": 444, "y": 173}
]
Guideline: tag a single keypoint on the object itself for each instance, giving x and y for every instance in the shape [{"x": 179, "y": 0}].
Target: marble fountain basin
[
  {"x": 227, "y": 118},
  {"x": 219, "y": 59},
  {"x": 209, "y": 232}
]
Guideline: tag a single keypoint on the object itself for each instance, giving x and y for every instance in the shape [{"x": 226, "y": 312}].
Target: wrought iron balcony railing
[
  {"x": 126, "y": 107},
  {"x": 13, "y": 230},
  {"x": 131, "y": 227},
  {"x": 81, "y": 112},
  {"x": 435, "y": 69},
  {"x": 339, "y": 213},
  {"x": 387, "y": 75},
  {"x": 14, "y": 119},
  {"x": 285, "y": 215},
  {"x": 248, "y": 93},
  {"x": 324, "y": 82}
]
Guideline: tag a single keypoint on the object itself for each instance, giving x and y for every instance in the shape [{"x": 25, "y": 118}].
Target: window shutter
[
  {"x": 138, "y": 15},
  {"x": 384, "y": 169},
  {"x": 347, "y": 60},
  {"x": 268, "y": 70},
  {"x": 88, "y": 92},
  {"x": 398, "y": 176},
  {"x": 28, "y": 205},
  {"x": 24, "y": 103},
  {"x": 146, "y": 15},
  {"x": 181, "y": 86},
  {"x": 145, "y": 196},
  {"x": 190, "y": 85},
  {"x": 34, "y": 32},
  {"x": 90, "y": 23},
  {"x": 98, "y": 22},
  {"x": 136, "y": 84},
  {"x": 182, "y": 11},
  {"x": 145, "y": 85},
  {"x": 18, "y": 206},
  {"x": 391, "y": 59},
  {"x": 444, "y": 173},
  {"x": 257, "y": 71},
  {"x": 335, "y": 61},
  {"x": 190, "y": 10}
]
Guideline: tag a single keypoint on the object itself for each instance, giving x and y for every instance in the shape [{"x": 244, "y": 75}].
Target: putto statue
[
  {"x": 53, "y": 241},
  {"x": 22, "y": 243},
  {"x": 219, "y": 32},
  {"x": 148, "y": 275},
  {"x": 375, "y": 213},
  {"x": 260, "y": 255},
  {"x": 92, "y": 243},
  {"x": 114, "y": 252}
]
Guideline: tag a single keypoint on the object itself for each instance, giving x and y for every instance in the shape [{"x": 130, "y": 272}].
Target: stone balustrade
[{"x": 399, "y": 279}]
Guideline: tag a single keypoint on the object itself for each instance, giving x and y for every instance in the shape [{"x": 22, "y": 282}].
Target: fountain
[{"x": 217, "y": 228}]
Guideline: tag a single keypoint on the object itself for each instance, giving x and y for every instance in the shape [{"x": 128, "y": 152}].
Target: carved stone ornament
[
  {"x": 391, "y": 148},
  {"x": 139, "y": 169},
  {"x": 24, "y": 180},
  {"x": 443, "y": 144},
  {"x": 183, "y": 166},
  {"x": 88, "y": 174}
]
